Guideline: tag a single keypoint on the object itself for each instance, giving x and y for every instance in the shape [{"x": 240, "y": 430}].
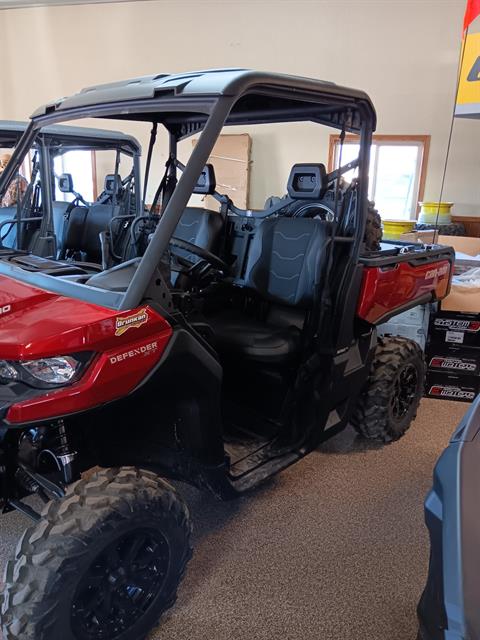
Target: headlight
[
  {"x": 7, "y": 372},
  {"x": 45, "y": 372},
  {"x": 52, "y": 370}
]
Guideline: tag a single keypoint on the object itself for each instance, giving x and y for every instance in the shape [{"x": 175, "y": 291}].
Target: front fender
[{"x": 449, "y": 608}]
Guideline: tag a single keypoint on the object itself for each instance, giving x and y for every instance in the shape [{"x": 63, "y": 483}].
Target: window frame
[{"x": 423, "y": 141}]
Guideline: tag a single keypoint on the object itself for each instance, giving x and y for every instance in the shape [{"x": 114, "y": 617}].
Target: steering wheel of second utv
[{"x": 213, "y": 260}]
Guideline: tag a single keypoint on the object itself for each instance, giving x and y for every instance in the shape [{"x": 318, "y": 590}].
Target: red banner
[{"x": 472, "y": 11}]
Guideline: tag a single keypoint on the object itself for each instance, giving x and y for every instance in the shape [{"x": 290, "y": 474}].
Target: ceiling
[{"x": 20, "y": 4}]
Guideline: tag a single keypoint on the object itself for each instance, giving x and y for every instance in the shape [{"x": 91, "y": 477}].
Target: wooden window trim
[{"x": 424, "y": 140}]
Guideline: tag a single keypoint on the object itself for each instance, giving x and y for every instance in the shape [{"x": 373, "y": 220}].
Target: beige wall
[{"x": 402, "y": 52}]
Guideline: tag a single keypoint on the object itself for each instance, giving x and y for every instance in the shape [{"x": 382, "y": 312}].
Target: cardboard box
[
  {"x": 462, "y": 299},
  {"x": 452, "y": 328},
  {"x": 426, "y": 237},
  {"x": 467, "y": 252},
  {"x": 451, "y": 359},
  {"x": 442, "y": 386},
  {"x": 462, "y": 244},
  {"x": 466, "y": 299},
  {"x": 231, "y": 160}
]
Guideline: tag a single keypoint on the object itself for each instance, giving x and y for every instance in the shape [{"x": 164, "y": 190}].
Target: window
[
  {"x": 397, "y": 171},
  {"x": 80, "y": 164}
]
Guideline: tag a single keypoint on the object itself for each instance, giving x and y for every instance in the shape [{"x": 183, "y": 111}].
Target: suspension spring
[
  {"x": 59, "y": 448},
  {"x": 59, "y": 442}
]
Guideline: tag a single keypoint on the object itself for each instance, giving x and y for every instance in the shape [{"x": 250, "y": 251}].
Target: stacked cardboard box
[
  {"x": 453, "y": 349},
  {"x": 453, "y": 356}
]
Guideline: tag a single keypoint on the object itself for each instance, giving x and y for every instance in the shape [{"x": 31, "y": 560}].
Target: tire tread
[
  {"x": 33, "y": 580},
  {"x": 370, "y": 418}
]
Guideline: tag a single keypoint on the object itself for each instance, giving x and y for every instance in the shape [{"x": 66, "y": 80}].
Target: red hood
[{"x": 36, "y": 323}]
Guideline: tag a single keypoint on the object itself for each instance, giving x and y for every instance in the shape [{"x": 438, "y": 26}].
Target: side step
[
  {"x": 255, "y": 455},
  {"x": 269, "y": 467}
]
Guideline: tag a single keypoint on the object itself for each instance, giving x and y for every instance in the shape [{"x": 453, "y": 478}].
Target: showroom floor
[{"x": 334, "y": 548}]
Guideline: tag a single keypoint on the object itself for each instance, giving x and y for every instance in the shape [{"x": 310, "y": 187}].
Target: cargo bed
[{"x": 400, "y": 276}]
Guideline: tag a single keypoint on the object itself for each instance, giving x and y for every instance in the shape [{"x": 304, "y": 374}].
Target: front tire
[
  {"x": 102, "y": 563},
  {"x": 390, "y": 399}
]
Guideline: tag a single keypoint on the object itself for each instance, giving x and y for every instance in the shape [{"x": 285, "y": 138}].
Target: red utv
[{"x": 225, "y": 349}]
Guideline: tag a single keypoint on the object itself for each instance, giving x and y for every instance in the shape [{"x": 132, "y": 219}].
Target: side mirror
[
  {"x": 206, "y": 183},
  {"x": 65, "y": 183},
  {"x": 307, "y": 181}
]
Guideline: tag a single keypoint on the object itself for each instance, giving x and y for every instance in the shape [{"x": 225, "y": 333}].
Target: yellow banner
[{"x": 468, "y": 97}]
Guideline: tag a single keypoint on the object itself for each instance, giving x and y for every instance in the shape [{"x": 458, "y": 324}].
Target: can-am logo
[
  {"x": 132, "y": 353},
  {"x": 472, "y": 326},
  {"x": 5, "y": 309},
  {"x": 433, "y": 273},
  {"x": 131, "y": 322},
  {"x": 451, "y": 392},
  {"x": 452, "y": 363}
]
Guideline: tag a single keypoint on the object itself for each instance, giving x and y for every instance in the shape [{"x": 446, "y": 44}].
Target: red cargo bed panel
[{"x": 386, "y": 289}]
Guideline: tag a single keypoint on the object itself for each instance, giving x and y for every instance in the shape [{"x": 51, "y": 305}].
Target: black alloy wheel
[{"x": 120, "y": 585}]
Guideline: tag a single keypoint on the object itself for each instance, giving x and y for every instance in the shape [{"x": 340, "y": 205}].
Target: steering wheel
[
  {"x": 312, "y": 209},
  {"x": 213, "y": 260}
]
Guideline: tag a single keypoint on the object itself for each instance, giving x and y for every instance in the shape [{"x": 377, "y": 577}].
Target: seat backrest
[
  {"x": 286, "y": 259},
  {"x": 201, "y": 227},
  {"x": 98, "y": 220},
  {"x": 73, "y": 229},
  {"x": 83, "y": 227}
]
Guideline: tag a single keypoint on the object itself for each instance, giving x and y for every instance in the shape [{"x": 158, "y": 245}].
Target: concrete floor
[{"x": 334, "y": 548}]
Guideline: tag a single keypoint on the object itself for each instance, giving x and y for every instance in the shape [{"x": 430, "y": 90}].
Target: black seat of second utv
[
  {"x": 201, "y": 227},
  {"x": 82, "y": 231},
  {"x": 285, "y": 263},
  {"x": 82, "y": 228}
]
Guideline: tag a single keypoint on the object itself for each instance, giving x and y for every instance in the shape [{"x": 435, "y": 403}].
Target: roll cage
[
  {"x": 201, "y": 103},
  {"x": 57, "y": 139}
]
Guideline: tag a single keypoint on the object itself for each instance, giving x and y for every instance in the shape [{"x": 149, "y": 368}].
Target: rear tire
[
  {"x": 104, "y": 562},
  {"x": 389, "y": 402},
  {"x": 373, "y": 229},
  {"x": 453, "y": 229}
]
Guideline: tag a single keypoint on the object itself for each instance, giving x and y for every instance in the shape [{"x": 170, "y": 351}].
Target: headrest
[
  {"x": 113, "y": 184},
  {"x": 206, "y": 183},
  {"x": 65, "y": 183},
  {"x": 307, "y": 181}
]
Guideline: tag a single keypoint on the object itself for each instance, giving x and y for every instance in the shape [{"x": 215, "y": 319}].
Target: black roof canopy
[
  {"x": 259, "y": 97},
  {"x": 72, "y": 137}
]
